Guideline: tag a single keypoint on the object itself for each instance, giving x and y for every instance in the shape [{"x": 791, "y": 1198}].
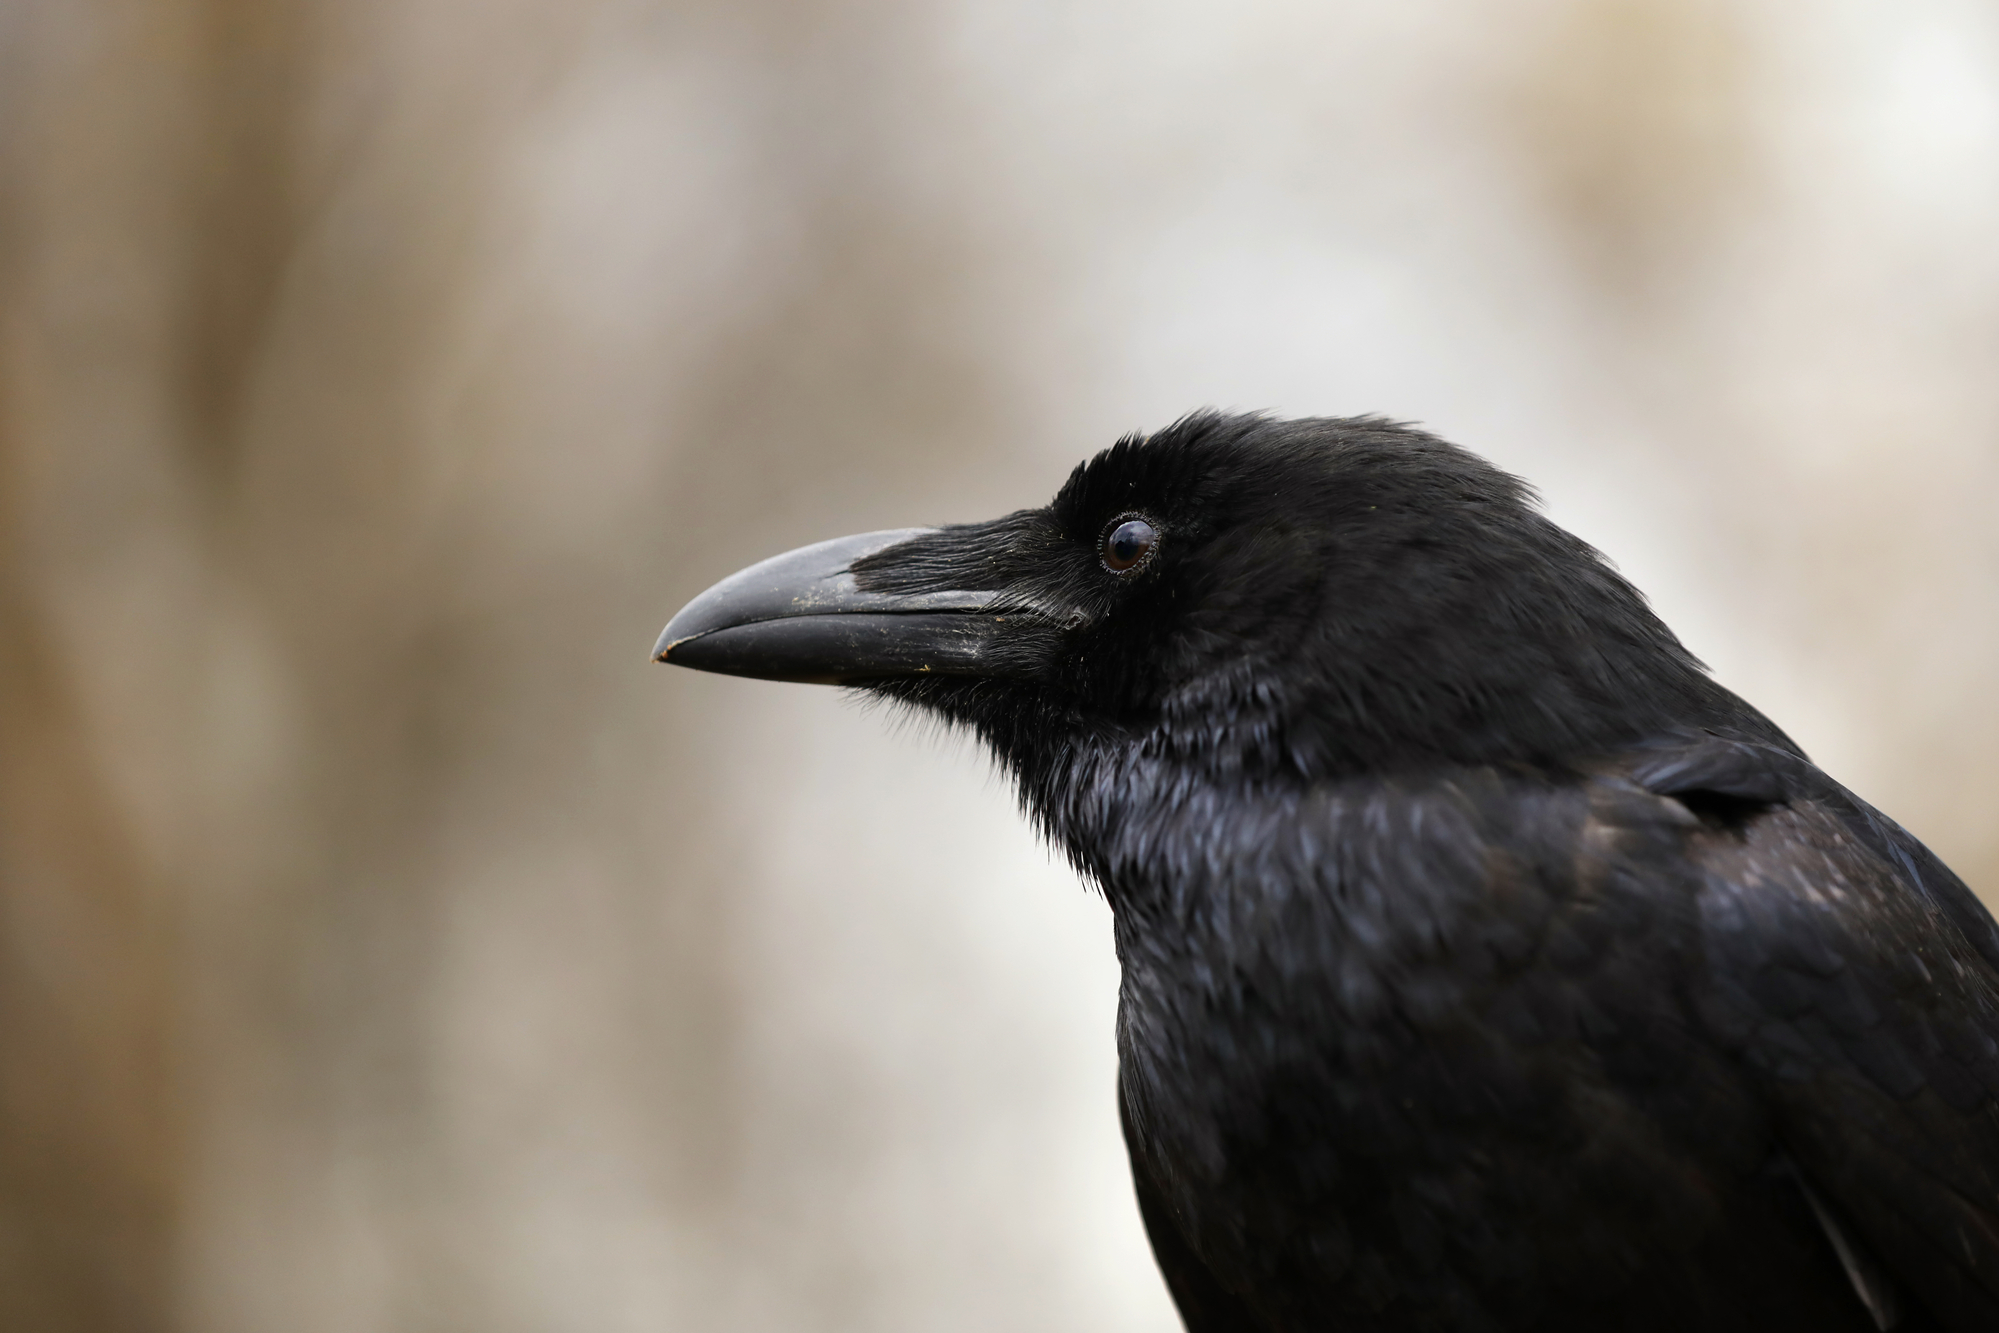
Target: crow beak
[{"x": 802, "y": 617}]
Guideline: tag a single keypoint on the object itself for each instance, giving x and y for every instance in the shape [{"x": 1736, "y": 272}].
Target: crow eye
[{"x": 1128, "y": 543}]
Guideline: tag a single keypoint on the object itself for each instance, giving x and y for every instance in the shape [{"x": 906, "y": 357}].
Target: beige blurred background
[{"x": 386, "y": 946}]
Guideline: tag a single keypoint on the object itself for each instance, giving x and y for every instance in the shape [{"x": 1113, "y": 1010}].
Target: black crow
[{"x": 1486, "y": 965}]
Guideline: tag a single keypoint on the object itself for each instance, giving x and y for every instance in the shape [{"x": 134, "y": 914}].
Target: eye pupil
[{"x": 1128, "y": 543}]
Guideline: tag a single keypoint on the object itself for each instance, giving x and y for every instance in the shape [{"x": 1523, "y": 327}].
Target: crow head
[{"x": 1283, "y": 601}]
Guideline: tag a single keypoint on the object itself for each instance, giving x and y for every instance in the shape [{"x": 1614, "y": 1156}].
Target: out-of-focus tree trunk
[
  {"x": 90, "y": 1165},
  {"x": 142, "y": 169}
]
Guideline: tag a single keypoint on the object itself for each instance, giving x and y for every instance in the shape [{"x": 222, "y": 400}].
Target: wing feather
[{"x": 1858, "y": 979}]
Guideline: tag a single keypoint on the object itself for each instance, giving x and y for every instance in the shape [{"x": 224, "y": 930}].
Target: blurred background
[{"x": 386, "y": 945}]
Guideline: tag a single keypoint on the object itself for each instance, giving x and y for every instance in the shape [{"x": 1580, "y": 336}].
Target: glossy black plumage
[{"x": 1486, "y": 965}]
